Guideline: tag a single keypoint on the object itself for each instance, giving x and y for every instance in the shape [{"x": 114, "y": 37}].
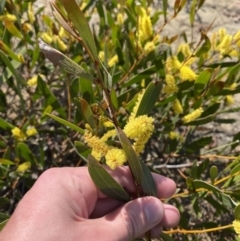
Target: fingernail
[{"x": 154, "y": 210}]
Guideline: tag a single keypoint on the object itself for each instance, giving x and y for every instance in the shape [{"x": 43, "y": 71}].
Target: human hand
[{"x": 64, "y": 204}]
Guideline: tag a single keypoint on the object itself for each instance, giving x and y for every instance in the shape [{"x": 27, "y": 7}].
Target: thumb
[{"x": 135, "y": 218}]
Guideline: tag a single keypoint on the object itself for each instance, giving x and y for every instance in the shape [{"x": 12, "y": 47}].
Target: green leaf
[
  {"x": 235, "y": 169},
  {"x": 202, "y": 184},
  {"x": 149, "y": 98},
  {"x": 235, "y": 138},
  {"x": 213, "y": 173},
  {"x": 86, "y": 90},
  {"x": 201, "y": 121},
  {"x": 25, "y": 153},
  {"x": 166, "y": 237},
  {"x": 81, "y": 24},
  {"x": 237, "y": 212},
  {"x": 20, "y": 80},
  {"x": 58, "y": 58},
  {"x": 198, "y": 144},
  {"x": 3, "y": 223},
  {"x": 5, "y": 125},
  {"x": 176, "y": 5},
  {"x": 202, "y": 81},
  {"x": 148, "y": 182},
  {"x": 6, "y": 162},
  {"x": 205, "y": 47},
  {"x": 104, "y": 181},
  {"x": 61, "y": 19},
  {"x": 87, "y": 113},
  {"x": 200, "y": 3},
  {"x": 43, "y": 90},
  {"x": 114, "y": 99},
  {"x": 165, "y": 5},
  {"x": 133, "y": 161},
  {"x": 66, "y": 123},
  {"x": 212, "y": 109},
  {"x": 192, "y": 11},
  {"x": 194, "y": 170}
]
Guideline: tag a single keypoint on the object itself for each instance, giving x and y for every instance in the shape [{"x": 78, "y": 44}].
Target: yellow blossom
[
  {"x": 26, "y": 27},
  {"x": 221, "y": 34},
  {"x": 30, "y": 13},
  {"x": 236, "y": 39},
  {"x": 178, "y": 109},
  {"x": 229, "y": 100},
  {"x": 18, "y": 134},
  {"x": 47, "y": 38},
  {"x": 108, "y": 134},
  {"x": 234, "y": 53},
  {"x": 98, "y": 146},
  {"x": 62, "y": 33},
  {"x": 135, "y": 108},
  {"x": 172, "y": 63},
  {"x": 173, "y": 135},
  {"x": 193, "y": 115},
  {"x": 233, "y": 86},
  {"x": 141, "y": 141},
  {"x": 8, "y": 17},
  {"x": 33, "y": 81},
  {"x": 187, "y": 73},
  {"x": 145, "y": 30},
  {"x": 185, "y": 49},
  {"x": 113, "y": 61},
  {"x": 138, "y": 126},
  {"x": 21, "y": 58},
  {"x": 31, "y": 131},
  {"x": 62, "y": 46},
  {"x": 24, "y": 167},
  {"x": 236, "y": 226},
  {"x": 149, "y": 47},
  {"x": 225, "y": 45},
  {"x": 120, "y": 19},
  {"x": 115, "y": 158},
  {"x": 170, "y": 86},
  {"x": 101, "y": 55}
]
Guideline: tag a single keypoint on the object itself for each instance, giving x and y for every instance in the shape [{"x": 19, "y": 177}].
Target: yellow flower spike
[
  {"x": 47, "y": 38},
  {"x": 33, "y": 81},
  {"x": 149, "y": 47},
  {"x": 225, "y": 46},
  {"x": 174, "y": 135},
  {"x": 145, "y": 27},
  {"x": 172, "y": 63},
  {"x": 18, "y": 134},
  {"x": 62, "y": 46},
  {"x": 135, "y": 108},
  {"x": 170, "y": 86},
  {"x": 8, "y": 17},
  {"x": 26, "y": 27},
  {"x": 101, "y": 55},
  {"x": 186, "y": 73},
  {"x": 236, "y": 38},
  {"x": 108, "y": 134},
  {"x": 236, "y": 226},
  {"x": 140, "y": 142},
  {"x": 139, "y": 126},
  {"x": 113, "y": 61},
  {"x": 31, "y": 13},
  {"x": 62, "y": 33},
  {"x": 229, "y": 100},
  {"x": 185, "y": 49},
  {"x": 233, "y": 86},
  {"x": 21, "y": 58},
  {"x": 178, "y": 109},
  {"x": 115, "y": 158},
  {"x": 214, "y": 41},
  {"x": 97, "y": 145},
  {"x": 221, "y": 34},
  {"x": 120, "y": 19},
  {"x": 24, "y": 167},
  {"x": 31, "y": 131},
  {"x": 193, "y": 115}
]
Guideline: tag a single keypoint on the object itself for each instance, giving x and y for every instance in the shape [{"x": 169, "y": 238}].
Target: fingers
[
  {"x": 134, "y": 219},
  {"x": 166, "y": 187}
]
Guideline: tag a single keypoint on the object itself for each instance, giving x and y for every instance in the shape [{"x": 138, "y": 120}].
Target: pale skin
[{"x": 65, "y": 205}]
